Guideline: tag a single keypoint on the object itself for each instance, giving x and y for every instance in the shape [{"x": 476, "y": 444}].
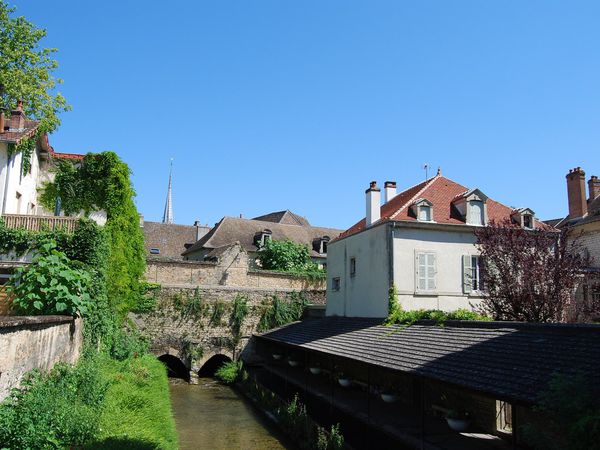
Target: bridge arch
[
  {"x": 212, "y": 364},
  {"x": 175, "y": 366}
]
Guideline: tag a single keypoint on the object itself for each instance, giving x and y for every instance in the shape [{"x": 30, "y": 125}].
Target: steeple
[{"x": 168, "y": 215}]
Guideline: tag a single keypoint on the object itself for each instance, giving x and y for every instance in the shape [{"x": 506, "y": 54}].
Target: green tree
[
  {"x": 286, "y": 256},
  {"x": 26, "y": 70}
]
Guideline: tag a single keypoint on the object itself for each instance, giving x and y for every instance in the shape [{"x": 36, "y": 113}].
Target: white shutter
[
  {"x": 467, "y": 274},
  {"x": 421, "y": 271},
  {"x": 431, "y": 271}
]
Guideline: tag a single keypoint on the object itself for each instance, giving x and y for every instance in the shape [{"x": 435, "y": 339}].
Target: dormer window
[
  {"x": 472, "y": 206},
  {"x": 320, "y": 245},
  {"x": 423, "y": 210},
  {"x": 524, "y": 217},
  {"x": 261, "y": 238}
]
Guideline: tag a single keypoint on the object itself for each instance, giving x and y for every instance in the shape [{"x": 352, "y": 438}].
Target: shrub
[
  {"x": 400, "y": 316},
  {"x": 127, "y": 344},
  {"x": 330, "y": 441},
  {"x": 51, "y": 285},
  {"x": 278, "y": 312},
  {"x": 287, "y": 256},
  {"x": 230, "y": 372}
]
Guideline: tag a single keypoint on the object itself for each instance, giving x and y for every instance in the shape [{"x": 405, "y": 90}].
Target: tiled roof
[
  {"x": 441, "y": 192},
  {"x": 508, "y": 360},
  {"x": 286, "y": 217},
  {"x": 170, "y": 238},
  {"x": 14, "y": 136},
  {"x": 235, "y": 229}
]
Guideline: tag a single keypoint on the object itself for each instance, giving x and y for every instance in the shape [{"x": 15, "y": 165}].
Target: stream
[{"x": 212, "y": 416}]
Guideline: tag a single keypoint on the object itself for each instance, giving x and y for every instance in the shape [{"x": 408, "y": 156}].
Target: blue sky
[{"x": 270, "y": 105}]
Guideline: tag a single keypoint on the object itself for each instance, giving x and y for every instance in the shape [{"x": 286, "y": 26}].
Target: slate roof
[
  {"x": 234, "y": 229},
  {"x": 286, "y": 217},
  {"x": 508, "y": 360},
  {"x": 169, "y": 238},
  {"x": 440, "y": 191}
]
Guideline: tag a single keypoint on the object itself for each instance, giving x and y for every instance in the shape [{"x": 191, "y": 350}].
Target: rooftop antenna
[
  {"x": 426, "y": 169},
  {"x": 168, "y": 214}
]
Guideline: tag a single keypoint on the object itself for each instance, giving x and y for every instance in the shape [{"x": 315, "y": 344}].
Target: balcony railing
[{"x": 40, "y": 223}]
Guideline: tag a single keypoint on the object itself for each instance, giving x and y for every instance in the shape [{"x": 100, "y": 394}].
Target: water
[{"x": 214, "y": 417}]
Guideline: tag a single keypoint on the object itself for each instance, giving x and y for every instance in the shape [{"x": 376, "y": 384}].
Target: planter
[
  {"x": 459, "y": 425},
  {"x": 389, "y": 398},
  {"x": 315, "y": 370},
  {"x": 345, "y": 382},
  {"x": 293, "y": 363},
  {"x": 277, "y": 356}
]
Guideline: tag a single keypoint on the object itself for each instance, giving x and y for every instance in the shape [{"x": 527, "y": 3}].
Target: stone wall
[
  {"x": 186, "y": 322},
  {"x": 28, "y": 343}
]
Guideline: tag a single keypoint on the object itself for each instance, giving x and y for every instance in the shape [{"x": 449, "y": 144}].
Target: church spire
[{"x": 168, "y": 215}]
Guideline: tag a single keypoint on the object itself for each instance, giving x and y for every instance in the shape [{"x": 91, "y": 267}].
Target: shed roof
[{"x": 507, "y": 360}]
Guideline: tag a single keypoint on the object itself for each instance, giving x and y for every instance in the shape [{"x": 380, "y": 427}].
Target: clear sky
[{"x": 270, "y": 105}]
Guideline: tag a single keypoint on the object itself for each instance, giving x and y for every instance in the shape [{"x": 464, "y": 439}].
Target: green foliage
[
  {"x": 571, "y": 415},
  {"x": 26, "y": 70},
  {"x": 330, "y": 441},
  {"x": 59, "y": 409},
  {"x": 239, "y": 311},
  {"x": 218, "y": 309},
  {"x": 26, "y": 147},
  {"x": 230, "y": 372},
  {"x": 400, "y": 316},
  {"x": 51, "y": 284},
  {"x": 128, "y": 344},
  {"x": 393, "y": 305},
  {"x": 287, "y": 256},
  {"x": 277, "y": 312},
  {"x": 148, "y": 298},
  {"x": 102, "y": 182}
]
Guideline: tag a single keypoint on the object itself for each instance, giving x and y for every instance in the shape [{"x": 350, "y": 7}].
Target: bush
[
  {"x": 59, "y": 409},
  {"x": 400, "y": 316},
  {"x": 128, "y": 344},
  {"x": 330, "y": 441},
  {"x": 51, "y": 285},
  {"x": 230, "y": 372},
  {"x": 278, "y": 312},
  {"x": 287, "y": 256}
]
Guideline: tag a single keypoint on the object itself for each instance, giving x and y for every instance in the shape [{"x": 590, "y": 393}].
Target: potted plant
[
  {"x": 315, "y": 369},
  {"x": 458, "y": 420},
  {"x": 344, "y": 380}
]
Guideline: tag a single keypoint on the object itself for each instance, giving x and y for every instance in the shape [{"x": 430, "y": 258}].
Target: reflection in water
[{"x": 214, "y": 417}]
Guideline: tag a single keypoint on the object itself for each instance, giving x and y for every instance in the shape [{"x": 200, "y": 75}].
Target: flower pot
[
  {"x": 315, "y": 370},
  {"x": 389, "y": 398},
  {"x": 345, "y": 382},
  {"x": 459, "y": 425},
  {"x": 293, "y": 362},
  {"x": 276, "y": 356}
]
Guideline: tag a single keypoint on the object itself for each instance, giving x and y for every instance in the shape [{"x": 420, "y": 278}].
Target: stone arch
[
  {"x": 175, "y": 366},
  {"x": 213, "y": 363}
]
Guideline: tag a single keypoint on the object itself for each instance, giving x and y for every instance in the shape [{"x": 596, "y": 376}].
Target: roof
[
  {"x": 286, "y": 217},
  {"x": 441, "y": 192},
  {"x": 233, "y": 229},
  {"x": 508, "y": 360},
  {"x": 593, "y": 215},
  {"x": 170, "y": 238},
  {"x": 14, "y": 135}
]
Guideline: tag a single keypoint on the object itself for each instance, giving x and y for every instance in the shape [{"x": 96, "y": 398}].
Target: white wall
[
  {"x": 13, "y": 183},
  {"x": 365, "y": 294},
  {"x": 449, "y": 247}
]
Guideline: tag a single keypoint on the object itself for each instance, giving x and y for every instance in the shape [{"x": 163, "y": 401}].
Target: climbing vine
[
  {"x": 239, "y": 311},
  {"x": 277, "y": 312},
  {"x": 26, "y": 147}
]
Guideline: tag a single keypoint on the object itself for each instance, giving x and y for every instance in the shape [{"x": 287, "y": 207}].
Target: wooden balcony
[{"x": 40, "y": 223}]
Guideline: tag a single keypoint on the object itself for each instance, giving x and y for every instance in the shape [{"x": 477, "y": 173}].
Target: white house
[{"x": 421, "y": 240}]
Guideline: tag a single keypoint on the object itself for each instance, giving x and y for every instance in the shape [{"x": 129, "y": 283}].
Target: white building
[{"x": 421, "y": 241}]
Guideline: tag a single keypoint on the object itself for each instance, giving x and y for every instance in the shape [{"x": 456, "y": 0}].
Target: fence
[{"x": 40, "y": 223}]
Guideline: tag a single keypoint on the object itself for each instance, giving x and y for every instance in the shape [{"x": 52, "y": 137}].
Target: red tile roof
[{"x": 440, "y": 191}]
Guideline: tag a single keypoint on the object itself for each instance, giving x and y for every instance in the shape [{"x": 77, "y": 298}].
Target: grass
[{"x": 137, "y": 409}]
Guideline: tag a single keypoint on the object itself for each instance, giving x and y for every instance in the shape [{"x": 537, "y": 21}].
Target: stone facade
[
  {"x": 193, "y": 324},
  {"x": 28, "y": 343}
]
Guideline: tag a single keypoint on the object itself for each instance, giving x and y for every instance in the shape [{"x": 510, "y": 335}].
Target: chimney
[
  {"x": 373, "y": 203},
  {"x": 576, "y": 193},
  {"x": 594, "y": 187},
  {"x": 198, "y": 226},
  {"x": 389, "y": 190},
  {"x": 17, "y": 118}
]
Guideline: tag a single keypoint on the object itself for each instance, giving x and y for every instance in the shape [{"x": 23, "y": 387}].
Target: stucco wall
[
  {"x": 366, "y": 293},
  {"x": 24, "y": 185},
  {"x": 449, "y": 248},
  {"x": 28, "y": 343}
]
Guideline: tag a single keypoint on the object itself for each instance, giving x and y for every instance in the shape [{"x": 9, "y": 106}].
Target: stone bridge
[{"x": 191, "y": 329}]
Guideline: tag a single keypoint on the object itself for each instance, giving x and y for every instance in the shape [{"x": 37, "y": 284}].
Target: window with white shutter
[{"x": 425, "y": 265}]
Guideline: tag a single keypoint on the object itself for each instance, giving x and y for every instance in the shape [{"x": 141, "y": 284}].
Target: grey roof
[
  {"x": 169, "y": 238},
  {"x": 234, "y": 229},
  {"x": 508, "y": 360},
  {"x": 286, "y": 217}
]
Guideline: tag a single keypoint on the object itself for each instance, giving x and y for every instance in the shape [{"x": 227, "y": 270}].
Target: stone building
[{"x": 167, "y": 241}]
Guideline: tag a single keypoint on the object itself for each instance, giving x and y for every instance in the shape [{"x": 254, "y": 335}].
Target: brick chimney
[
  {"x": 17, "y": 118},
  {"x": 389, "y": 191},
  {"x": 576, "y": 193},
  {"x": 594, "y": 187},
  {"x": 373, "y": 203}
]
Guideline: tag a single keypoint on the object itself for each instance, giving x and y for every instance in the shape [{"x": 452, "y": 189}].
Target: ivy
[
  {"x": 277, "y": 312},
  {"x": 26, "y": 147},
  {"x": 239, "y": 311}
]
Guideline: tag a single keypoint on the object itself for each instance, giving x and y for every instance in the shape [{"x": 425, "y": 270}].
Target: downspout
[{"x": 390, "y": 250}]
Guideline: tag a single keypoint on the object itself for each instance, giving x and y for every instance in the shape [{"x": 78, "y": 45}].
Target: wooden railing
[{"x": 40, "y": 223}]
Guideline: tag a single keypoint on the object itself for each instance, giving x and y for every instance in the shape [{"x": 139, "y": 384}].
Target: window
[
  {"x": 155, "y": 251},
  {"x": 425, "y": 213},
  {"x": 352, "y": 267},
  {"x": 265, "y": 238},
  {"x": 476, "y": 213},
  {"x": 335, "y": 284},
  {"x": 425, "y": 271},
  {"x": 503, "y": 416},
  {"x": 473, "y": 274},
  {"x": 528, "y": 221},
  {"x": 422, "y": 210}
]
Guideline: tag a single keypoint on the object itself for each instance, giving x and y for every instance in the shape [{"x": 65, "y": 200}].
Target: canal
[{"x": 212, "y": 416}]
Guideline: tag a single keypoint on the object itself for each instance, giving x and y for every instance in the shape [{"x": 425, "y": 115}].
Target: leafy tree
[
  {"x": 530, "y": 275},
  {"x": 51, "y": 285},
  {"x": 286, "y": 256},
  {"x": 26, "y": 70}
]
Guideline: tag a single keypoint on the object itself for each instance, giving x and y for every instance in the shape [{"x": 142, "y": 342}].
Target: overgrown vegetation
[
  {"x": 288, "y": 256},
  {"x": 230, "y": 372},
  {"x": 571, "y": 416},
  {"x": 277, "y": 312},
  {"x": 402, "y": 317},
  {"x": 239, "y": 311}
]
